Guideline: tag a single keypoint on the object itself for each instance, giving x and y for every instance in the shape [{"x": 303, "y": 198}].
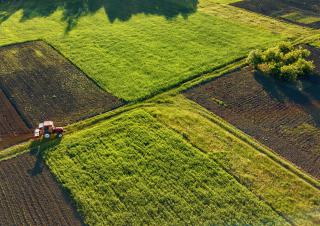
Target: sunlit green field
[
  {"x": 173, "y": 162},
  {"x": 134, "y": 170},
  {"x": 317, "y": 42},
  {"x": 140, "y": 53}
]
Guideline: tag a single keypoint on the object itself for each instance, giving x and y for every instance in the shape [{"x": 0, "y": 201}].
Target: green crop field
[
  {"x": 134, "y": 54},
  {"x": 133, "y": 170},
  {"x": 317, "y": 42},
  {"x": 165, "y": 163}
]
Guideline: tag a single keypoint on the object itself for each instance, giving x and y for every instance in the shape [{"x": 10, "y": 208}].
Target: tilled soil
[
  {"x": 279, "y": 8},
  {"x": 285, "y": 117},
  {"x": 12, "y": 129},
  {"x": 43, "y": 85},
  {"x": 30, "y": 196}
]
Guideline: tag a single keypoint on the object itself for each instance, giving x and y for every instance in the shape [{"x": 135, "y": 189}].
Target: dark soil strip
[
  {"x": 12, "y": 128},
  {"x": 30, "y": 196},
  {"x": 283, "y": 116}
]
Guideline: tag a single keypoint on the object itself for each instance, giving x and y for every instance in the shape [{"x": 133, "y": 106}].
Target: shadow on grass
[
  {"x": 121, "y": 10},
  {"x": 281, "y": 8},
  {"x": 38, "y": 149},
  {"x": 304, "y": 93}
]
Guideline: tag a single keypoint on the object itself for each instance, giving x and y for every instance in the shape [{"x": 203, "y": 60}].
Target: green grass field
[
  {"x": 142, "y": 52},
  {"x": 134, "y": 170},
  {"x": 173, "y": 161},
  {"x": 316, "y": 42}
]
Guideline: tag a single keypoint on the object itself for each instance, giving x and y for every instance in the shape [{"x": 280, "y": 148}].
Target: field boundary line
[{"x": 20, "y": 43}]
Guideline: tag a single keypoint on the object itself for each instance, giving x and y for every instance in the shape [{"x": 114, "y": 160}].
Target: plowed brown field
[
  {"x": 12, "y": 129},
  {"x": 43, "y": 85},
  {"x": 283, "y": 116},
  {"x": 30, "y": 196}
]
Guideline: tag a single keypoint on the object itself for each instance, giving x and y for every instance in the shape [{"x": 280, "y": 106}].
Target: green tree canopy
[{"x": 283, "y": 61}]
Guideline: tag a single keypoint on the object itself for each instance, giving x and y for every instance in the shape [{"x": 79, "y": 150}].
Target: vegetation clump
[{"x": 283, "y": 61}]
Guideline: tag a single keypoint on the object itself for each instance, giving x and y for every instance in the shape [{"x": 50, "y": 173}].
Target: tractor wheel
[
  {"x": 59, "y": 135},
  {"x": 47, "y": 135}
]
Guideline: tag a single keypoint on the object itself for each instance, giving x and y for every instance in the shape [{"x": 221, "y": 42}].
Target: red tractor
[{"x": 47, "y": 129}]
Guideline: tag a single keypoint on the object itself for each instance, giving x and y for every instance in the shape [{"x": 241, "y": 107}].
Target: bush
[
  {"x": 272, "y": 55},
  {"x": 283, "y": 61},
  {"x": 289, "y": 72},
  {"x": 285, "y": 47},
  {"x": 255, "y": 57}
]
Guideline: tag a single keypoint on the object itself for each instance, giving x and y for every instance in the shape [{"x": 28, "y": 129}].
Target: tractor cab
[{"x": 47, "y": 129}]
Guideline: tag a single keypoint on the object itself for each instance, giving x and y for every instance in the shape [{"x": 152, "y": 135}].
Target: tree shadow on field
[
  {"x": 121, "y": 10},
  {"x": 304, "y": 93},
  {"x": 269, "y": 6},
  {"x": 38, "y": 149},
  {"x": 280, "y": 8}
]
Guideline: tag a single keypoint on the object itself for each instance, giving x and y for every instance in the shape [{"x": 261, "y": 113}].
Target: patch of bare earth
[
  {"x": 30, "y": 196},
  {"x": 12, "y": 129}
]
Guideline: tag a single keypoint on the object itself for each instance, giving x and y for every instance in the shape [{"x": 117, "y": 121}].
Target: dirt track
[
  {"x": 30, "y": 196},
  {"x": 43, "y": 85},
  {"x": 279, "y": 8},
  {"x": 281, "y": 116},
  {"x": 12, "y": 129}
]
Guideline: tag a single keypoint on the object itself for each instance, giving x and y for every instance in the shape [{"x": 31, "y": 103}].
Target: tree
[{"x": 283, "y": 61}]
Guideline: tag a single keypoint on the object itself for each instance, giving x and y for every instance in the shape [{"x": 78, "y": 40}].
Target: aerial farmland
[{"x": 159, "y": 112}]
